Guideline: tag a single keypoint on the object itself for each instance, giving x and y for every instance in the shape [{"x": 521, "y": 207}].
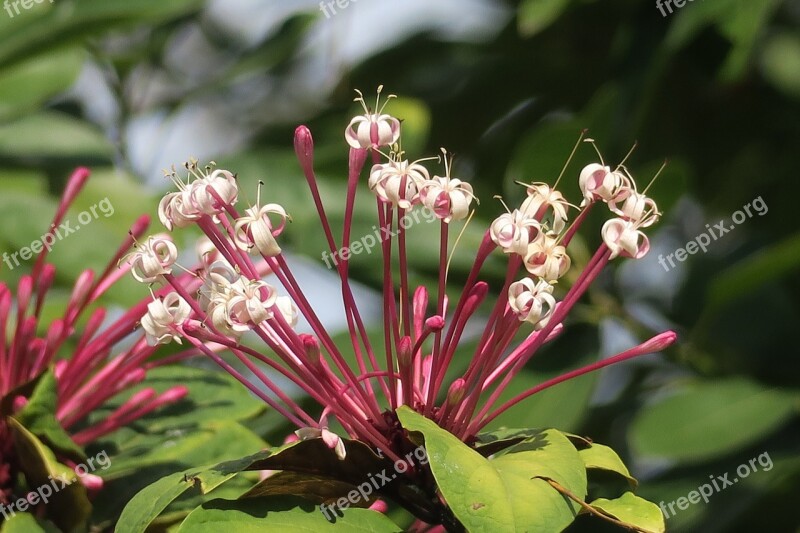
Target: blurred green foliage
[{"x": 713, "y": 87}]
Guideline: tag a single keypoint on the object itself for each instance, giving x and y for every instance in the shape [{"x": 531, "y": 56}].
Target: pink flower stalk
[
  {"x": 421, "y": 331},
  {"x": 95, "y": 370}
]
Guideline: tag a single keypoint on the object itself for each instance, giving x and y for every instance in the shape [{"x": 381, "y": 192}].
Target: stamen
[
  {"x": 660, "y": 170},
  {"x": 571, "y": 155},
  {"x": 596, "y": 149},
  {"x": 621, "y": 163}
]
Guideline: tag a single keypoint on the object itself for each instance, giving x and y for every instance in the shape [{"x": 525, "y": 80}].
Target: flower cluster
[
  {"x": 537, "y": 233},
  {"x": 103, "y": 359},
  {"x": 421, "y": 332}
]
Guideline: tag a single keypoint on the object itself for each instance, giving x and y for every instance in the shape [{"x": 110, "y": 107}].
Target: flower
[
  {"x": 532, "y": 301},
  {"x": 514, "y": 231},
  {"x": 398, "y": 182},
  {"x": 203, "y": 195},
  {"x": 546, "y": 258},
  {"x": 636, "y": 207},
  {"x": 598, "y": 182},
  {"x": 94, "y": 358},
  {"x": 251, "y": 301},
  {"x": 153, "y": 259},
  {"x": 448, "y": 198},
  {"x": 288, "y": 309},
  {"x": 162, "y": 317},
  {"x": 255, "y": 230},
  {"x": 421, "y": 331},
  {"x": 624, "y": 238},
  {"x": 540, "y": 198},
  {"x": 372, "y": 130},
  {"x": 209, "y": 193},
  {"x": 175, "y": 210}
]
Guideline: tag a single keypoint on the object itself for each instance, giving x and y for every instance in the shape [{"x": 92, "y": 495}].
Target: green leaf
[
  {"x": 278, "y": 515},
  {"x": 496, "y": 495},
  {"x": 213, "y": 395},
  {"x": 50, "y": 134},
  {"x": 780, "y": 62},
  {"x": 201, "y": 429},
  {"x": 740, "y": 21},
  {"x": 491, "y": 442},
  {"x": 311, "y": 487},
  {"x": 632, "y": 509},
  {"x": 27, "y": 523},
  {"x": 150, "y": 502},
  {"x": 709, "y": 420},
  {"x": 48, "y": 25},
  {"x": 26, "y": 86},
  {"x": 69, "y": 506},
  {"x": 38, "y": 416},
  {"x": 149, "y": 459},
  {"x": 314, "y": 459},
  {"x": 602, "y": 457},
  {"x": 214, "y": 439},
  {"x": 534, "y": 16},
  {"x": 772, "y": 263}
]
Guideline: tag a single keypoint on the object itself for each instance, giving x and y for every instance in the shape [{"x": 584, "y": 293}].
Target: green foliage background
[{"x": 714, "y": 87}]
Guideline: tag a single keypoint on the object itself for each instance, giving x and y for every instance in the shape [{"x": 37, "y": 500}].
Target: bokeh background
[{"x": 131, "y": 87}]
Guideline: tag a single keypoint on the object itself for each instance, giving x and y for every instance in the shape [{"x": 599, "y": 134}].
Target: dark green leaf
[
  {"x": 69, "y": 506},
  {"x": 279, "y": 515}
]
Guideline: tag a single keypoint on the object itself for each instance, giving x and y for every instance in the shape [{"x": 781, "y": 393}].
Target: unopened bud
[
  {"x": 435, "y": 323},
  {"x": 174, "y": 394},
  {"x": 304, "y": 146},
  {"x": 311, "y": 346},
  {"x": 404, "y": 352},
  {"x": 456, "y": 391},
  {"x": 660, "y": 342}
]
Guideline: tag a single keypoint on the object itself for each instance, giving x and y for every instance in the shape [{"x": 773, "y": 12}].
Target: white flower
[
  {"x": 153, "y": 258},
  {"x": 381, "y": 128},
  {"x": 219, "y": 277},
  {"x": 397, "y": 182},
  {"x": 636, "y": 207},
  {"x": 207, "y": 252},
  {"x": 234, "y": 307},
  {"x": 598, "y": 182},
  {"x": 195, "y": 198},
  {"x": 162, "y": 316},
  {"x": 250, "y": 301},
  {"x": 256, "y": 230},
  {"x": 541, "y": 197},
  {"x": 546, "y": 258},
  {"x": 624, "y": 238},
  {"x": 448, "y": 198},
  {"x": 220, "y": 181},
  {"x": 222, "y": 320},
  {"x": 514, "y": 231},
  {"x": 287, "y": 308},
  {"x": 532, "y": 302},
  {"x": 176, "y": 210}
]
